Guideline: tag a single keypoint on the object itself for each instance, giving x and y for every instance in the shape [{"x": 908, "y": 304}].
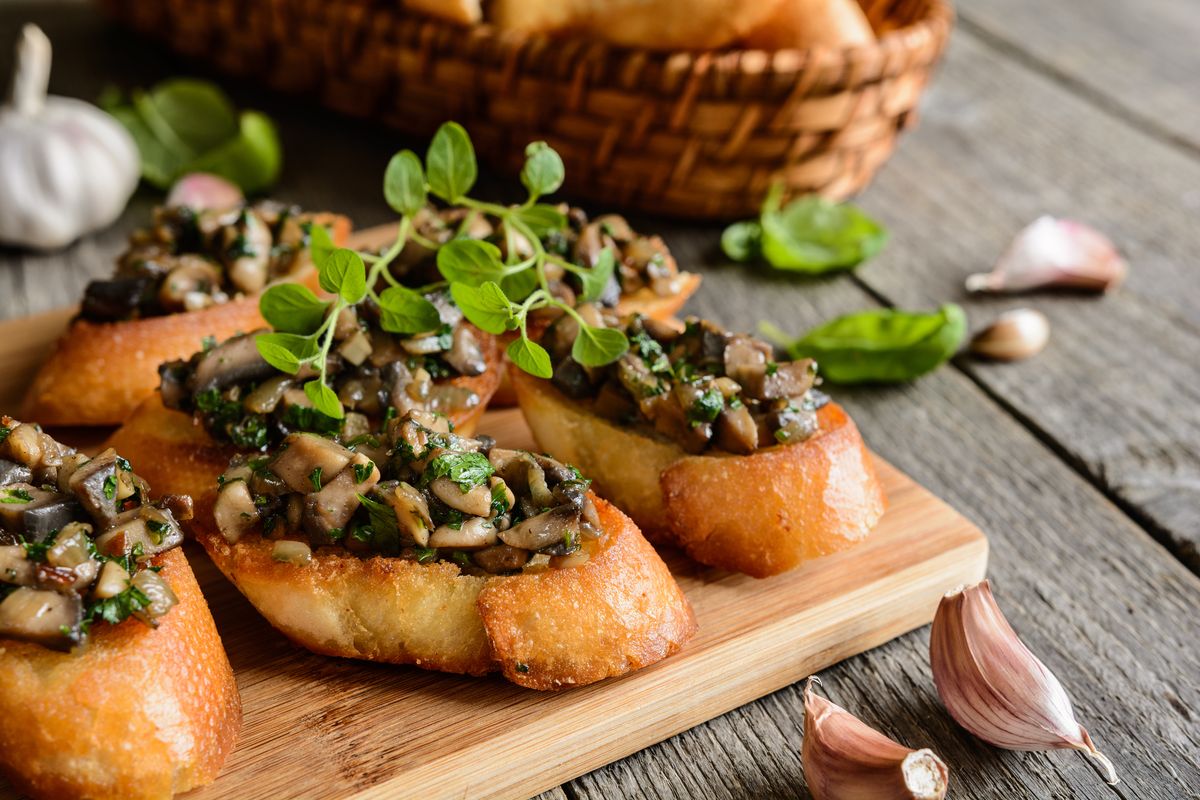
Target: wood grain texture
[
  {"x": 1117, "y": 391},
  {"x": 337, "y": 727}
]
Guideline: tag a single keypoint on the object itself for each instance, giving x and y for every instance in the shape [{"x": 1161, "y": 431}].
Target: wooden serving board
[{"x": 327, "y": 727}]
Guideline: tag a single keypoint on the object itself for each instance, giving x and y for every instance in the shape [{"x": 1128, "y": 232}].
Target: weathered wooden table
[{"x": 1083, "y": 464}]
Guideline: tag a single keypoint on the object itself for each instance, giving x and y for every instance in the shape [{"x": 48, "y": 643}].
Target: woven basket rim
[{"x": 850, "y": 66}]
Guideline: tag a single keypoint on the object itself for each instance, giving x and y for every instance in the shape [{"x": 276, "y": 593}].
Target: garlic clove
[
  {"x": 846, "y": 759},
  {"x": 1054, "y": 252},
  {"x": 994, "y": 686},
  {"x": 202, "y": 191},
  {"x": 1017, "y": 334}
]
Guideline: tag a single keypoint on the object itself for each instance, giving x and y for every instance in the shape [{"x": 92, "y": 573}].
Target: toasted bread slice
[
  {"x": 644, "y": 301},
  {"x": 177, "y": 456},
  {"x": 620, "y": 611},
  {"x": 100, "y": 371},
  {"x": 761, "y": 514},
  {"x": 142, "y": 713}
]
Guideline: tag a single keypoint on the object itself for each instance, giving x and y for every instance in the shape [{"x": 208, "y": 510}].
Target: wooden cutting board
[{"x": 326, "y": 727}]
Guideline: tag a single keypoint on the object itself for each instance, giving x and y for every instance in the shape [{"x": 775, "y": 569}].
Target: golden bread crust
[
  {"x": 620, "y": 611},
  {"x": 141, "y": 713},
  {"x": 176, "y": 455},
  {"x": 760, "y": 514}
]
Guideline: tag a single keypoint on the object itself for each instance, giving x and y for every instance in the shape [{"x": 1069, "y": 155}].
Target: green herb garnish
[
  {"x": 14, "y": 496},
  {"x": 158, "y": 530},
  {"x": 110, "y": 487},
  {"x": 314, "y": 478},
  {"x": 468, "y": 470},
  {"x": 706, "y": 407},
  {"x": 363, "y": 471}
]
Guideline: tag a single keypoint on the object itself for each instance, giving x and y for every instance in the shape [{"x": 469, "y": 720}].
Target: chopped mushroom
[
  {"x": 42, "y": 616},
  {"x": 472, "y": 533},
  {"x": 303, "y": 455},
  {"x": 234, "y": 511},
  {"x": 476, "y": 501},
  {"x": 233, "y": 361}
]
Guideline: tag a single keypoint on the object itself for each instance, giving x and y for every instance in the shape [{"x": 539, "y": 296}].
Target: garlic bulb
[
  {"x": 845, "y": 759},
  {"x": 1016, "y": 334},
  {"x": 994, "y": 687},
  {"x": 1054, "y": 252},
  {"x": 66, "y": 167}
]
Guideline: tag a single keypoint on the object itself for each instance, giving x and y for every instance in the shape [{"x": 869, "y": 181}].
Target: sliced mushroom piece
[
  {"x": 266, "y": 396},
  {"x": 15, "y": 566},
  {"x": 162, "y": 598},
  {"x": 236, "y": 360},
  {"x": 71, "y": 546},
  {"x": 191, "y": 275},
  {"x": 787, "y": 379},
  {"x": 248, "y": 253},
  {"x": 477, "y": 501},
  {"x": 288, "y": 551},
  {"x": 235, "y": 512},
  {"x": 449, "y": 399},
  {"x": 145, "y": 529},
  {"x": 115, "y": 299},
  {"x": 23, "y": 444},
  {"x": 347, "y": 324},
  {"x": 572, "y": 379},
  {"x": 412, "y": 512},
  {"x": 305, "y": 453},
  {"x": 356, "y": 348},
  {"x": 180, "y": 506},
  {"x": 746, "y": 360},
  {"x": 544, "y": 530},
  {"x": 736, "y": 431},
  {"x": 94, "y": 484},
  {"x": 328, "y": 511},
  {"x": 465, "y": 354},
  {"x": 12, "y": 472},
  {"x": 112, "y": 581},
  {"x": 449, "y": 313},
  {"x": 474, "y": 533},
  {"x": 616, "y": 227},
  {"x": 41, "y": 616},
  {"x": 423, "y": 344},
  {"x": 500, "y": 558},
  {"x": 172, "y": 384},
  {"x": 35, "y": 513}
]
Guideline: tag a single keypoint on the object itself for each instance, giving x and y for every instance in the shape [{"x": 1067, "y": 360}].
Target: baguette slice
[
  {"x": 177, "y": 456},
  {"x": 100, "y": 371},
  {"x": 620, "y": 611},
  {"x": 142, "y": 713},
  {"x": 760, "y": 514}
]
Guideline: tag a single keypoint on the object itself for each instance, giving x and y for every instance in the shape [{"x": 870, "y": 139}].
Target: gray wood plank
[
  {"x": 1118, "y": 390},
  {"x": 1137, "y": 59}
]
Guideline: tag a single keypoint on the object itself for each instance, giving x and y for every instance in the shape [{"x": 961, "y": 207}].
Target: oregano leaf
[
  {"x": 595, "y": 347},
  {"x": 450, "y": 163},
  {"x": 596, "y": 279},
  {"x": 531, "y": 357},
  {"x": 323, "y": 398},
  {"x": 543, "y": 172},
  {"x": 470, "y": 261},
  {"x": 404, "y": 183},
  {"x": 320, "y": 244},
  {"x": 285, "y": 351},
  {"x": 403, "y": 310},
  {"x": 486, "y": 306},
  {"x": 345, "y": 274},
  {"x": 292, "y": 308}
]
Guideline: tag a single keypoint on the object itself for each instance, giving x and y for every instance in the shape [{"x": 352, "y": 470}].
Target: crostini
[
  {"x": 708, "y": 443},
  {"x": 190, "y": 277},
  {"x": 646, "y": 279},
  {"x": 444, "y": 552},
  {"x": 228, "y": 399},
  {"x": 115, "y": 681}
]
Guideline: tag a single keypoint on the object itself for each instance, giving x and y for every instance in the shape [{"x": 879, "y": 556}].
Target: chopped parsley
[
  {"x": 120, "y": 607},
  {"x": 782, "y": 435},
  {"x": 522, "y": 667},
  {"x": 14, "y": 496},
  {"x": 110, "y": 487},
  {"x": 706, "y": 407},
  {"x": 468, "y": 470},
  {"x": 363, "y": 471},
  {"x": 499, "y": 499},
  {"x": 461, "y": 558},
  {"x": 4, "y": 432},
  {"x": 36, "y": 551},
  {"x": 310, "y": 419},
  {"x": 425, "y": 554},
  {"x": 314, "y": 478},
  {"x": 651, "y": 352},
  {"x": 570, "y": 540},
  {"x": 772, "y": 368},
  {"x": 250, "y": 433},
  {"x": 208, "y": 343},
  {"x": 124, "y": 465},
  {"x": 158, "y": 530}
]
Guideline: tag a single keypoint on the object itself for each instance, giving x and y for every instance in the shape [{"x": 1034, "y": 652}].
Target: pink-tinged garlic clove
[
  {"x": 1017, "y": 334},
  {"x": 994, "y": 686},
  {"x": 1054, "y": 252},
  {"x": 846, "y": 759},
  {"x": 202, "y": 191}
]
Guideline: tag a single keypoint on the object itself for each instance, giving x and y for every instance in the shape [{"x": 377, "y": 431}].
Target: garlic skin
[
  {"x": 203, "y": 191},
  {"x": 66, "y": 167},
  {"x": 846, "y": 759},
  {"x": 1015, "y": 335},
  {"x": 1054, "y": 252},
  {"x": 994, "y": 686}
]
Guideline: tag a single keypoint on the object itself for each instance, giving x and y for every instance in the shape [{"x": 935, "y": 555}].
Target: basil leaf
[
  {"x": 543, "y": 172},
  {"x": 345, "y": 274},
  {"x": 285, "y": 351},
  {"x": 252, "y": 159},
  {"x": 519, "y": 285},
  {"x": 470, "y": 261},
  {"x": 595, "y": 347},
  {"x": 450, "y": 162},
  {"x": 742, "y": 241},
  {"x": 323, "y": 398},
  {"x": 320, "y": 244},
  {"x": 531, "y": 357},
  {"x": 292, "y": 308},
  {"x": 403, "y": 310},
  {"x": 596, "y": 279},
  {"x": 815, "y": 235},
  {"x": 883, "y": 345},
  {"x": 404, "y": 183},
  {"x": 486, "y": 306},
  {"x": 542, "y": 219}
]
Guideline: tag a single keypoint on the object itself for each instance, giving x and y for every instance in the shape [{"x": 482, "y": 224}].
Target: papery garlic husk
[
  {"x": 1017, "y": 334},
  {"x": 994, "y": 686},
  {"x": 846, "y": 759},
  {"x": 1054, "y": 252}
]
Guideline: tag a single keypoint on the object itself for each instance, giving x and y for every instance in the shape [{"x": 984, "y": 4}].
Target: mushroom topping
[
  {"x": 445, "y": 497},
  {"x": 700, "y": 387},
  {"x": 233, "y": 361},
  {"x": 12, "y": 472},
  {"x": 248, "y": 251},
  {"x": 72, "y": 559}
]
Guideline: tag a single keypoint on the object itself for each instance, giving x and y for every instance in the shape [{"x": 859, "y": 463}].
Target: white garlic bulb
[{"x": 66, "y": 167}]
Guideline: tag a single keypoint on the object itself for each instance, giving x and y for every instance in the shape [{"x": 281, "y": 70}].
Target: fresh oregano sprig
[{"x": 494, "y": 293}]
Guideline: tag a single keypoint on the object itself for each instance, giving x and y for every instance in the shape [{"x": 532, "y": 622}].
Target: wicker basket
[{"x": 687, "y": 134}]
